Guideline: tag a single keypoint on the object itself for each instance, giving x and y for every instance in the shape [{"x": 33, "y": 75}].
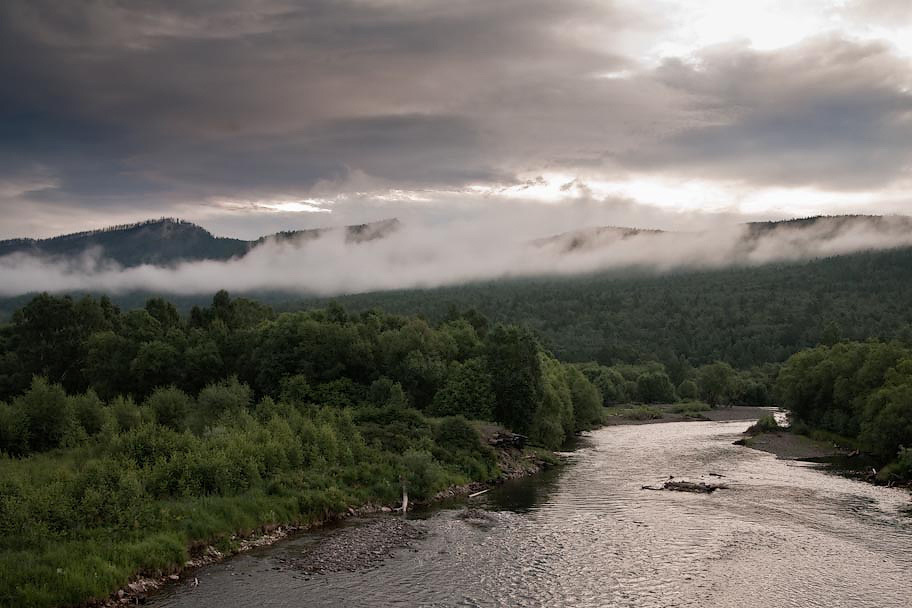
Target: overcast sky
[{"x": 251, "y": 116}]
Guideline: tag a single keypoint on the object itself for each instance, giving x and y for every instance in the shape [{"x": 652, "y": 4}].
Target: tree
[
  {"x": 157, "y": 363},
  {"x": 715, "y": 381},
  {"x": 468, "y": 392},
  {"x": 48, "y": 412},
  {"x": 511, "y": 357},
  {"x": 586, "y": 399},
  {"x": 655, "y": 387},
  {"x": 832, "y": 334},
  {"x": 553, "y": 421},
  {"x": 688, "y": 390},
  {"x": 107, "y": 363}
]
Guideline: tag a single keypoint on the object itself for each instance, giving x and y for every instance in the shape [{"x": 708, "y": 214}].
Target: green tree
[
  {"x": 586, "y": 399},
  {"x": 688, "y": 390},
  {"x": 511, "y": 357},
  {"x": 655, "y": 387},
  {"x": 156, "y": 364},
  {"x": 715, "y": 381},
  {"x": 468, "y": 392},
  {"x": 48, "y": 412}
]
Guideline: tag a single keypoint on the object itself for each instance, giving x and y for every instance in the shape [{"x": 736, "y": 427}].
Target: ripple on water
[{"x": 783, "y": 534}]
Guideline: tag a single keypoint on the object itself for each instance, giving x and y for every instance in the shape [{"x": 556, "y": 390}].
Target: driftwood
[
  {"x": 688, "y": 486},
  {"x": 507, "y": 440},
  {"x": 479, "y": 493}
]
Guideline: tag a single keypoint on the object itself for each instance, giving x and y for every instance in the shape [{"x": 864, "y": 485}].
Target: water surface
[{"x": 587, "y": 535}]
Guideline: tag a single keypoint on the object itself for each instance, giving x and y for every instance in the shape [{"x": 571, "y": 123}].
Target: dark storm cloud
[
  {"x": 827, "y": 113},
  {"x": 154, "y": 105}
]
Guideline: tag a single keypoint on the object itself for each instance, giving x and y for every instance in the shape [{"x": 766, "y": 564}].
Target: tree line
[{"x": 859, "y": 391}]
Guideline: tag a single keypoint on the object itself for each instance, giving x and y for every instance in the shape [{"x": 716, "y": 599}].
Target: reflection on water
[{"x": 784, "y": 534}]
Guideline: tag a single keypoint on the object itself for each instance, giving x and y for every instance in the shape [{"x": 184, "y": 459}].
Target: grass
[
  {"x": 691, "y": 408},
  {"x": 639, "y": 412}
]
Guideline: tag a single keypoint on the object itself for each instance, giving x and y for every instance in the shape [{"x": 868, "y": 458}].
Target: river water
[{"x": 586, "y": 534}]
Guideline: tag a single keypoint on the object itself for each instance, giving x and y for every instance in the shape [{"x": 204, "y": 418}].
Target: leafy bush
[
  {"x": 655, "y": 387},
  {"x": 688, "y": 390},
  {"x": 766, "y": 424},
  {"x": 171, "y": 406}
]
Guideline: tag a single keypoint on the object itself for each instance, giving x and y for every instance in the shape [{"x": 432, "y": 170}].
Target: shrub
[
  {"x": 423, "y": 475},
  {"x": 766, "y": 424},
  {"x": 455, "y": 432},
  {"x": 14, "y": 433},
  {"x": 655, "y": 387},
  {"x": 171, "y": 406},
  {"x": 219, "y": 397},
  {"x": 126, "y": 413},
  {"x": 89, "y": 411},
  {"x": 688, "y": 390}
]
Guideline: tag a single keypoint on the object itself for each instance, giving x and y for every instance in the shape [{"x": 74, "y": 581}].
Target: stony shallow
[{"x": 355, "y": 548}]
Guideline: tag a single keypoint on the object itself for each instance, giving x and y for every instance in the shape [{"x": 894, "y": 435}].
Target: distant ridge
[
  {"x": 823, "y": 227},
  {"x": 168, "y": 241}
]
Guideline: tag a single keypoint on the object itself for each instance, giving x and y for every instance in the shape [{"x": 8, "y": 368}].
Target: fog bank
[{"x": 422, "y": 255}]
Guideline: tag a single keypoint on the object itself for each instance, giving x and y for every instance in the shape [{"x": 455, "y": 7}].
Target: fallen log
[{"x": 688, "y": 486}]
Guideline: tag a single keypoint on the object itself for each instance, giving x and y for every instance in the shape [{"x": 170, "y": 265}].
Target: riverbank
[
  {"x": 790, "y": 446},
  {"x": 513, "y": 462},
  {"x": 677, "y": 412},
  {"x": 838, "y": 459}
]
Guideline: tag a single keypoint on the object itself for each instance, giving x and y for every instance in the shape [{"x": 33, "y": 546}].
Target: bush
[
  {"x": 89, "y": 411},
  {"x": 423, "y": 475},
  {"x": 688, "y": 390},
  {"x": 655, "y": 387},
  {"x": 13, "y": 431},
  {"x": 126, "y": 413},
  {"x": 767, "y": 424},
  {"x": 456, "y": 432},
  {"x": 170, "y": 406},
  {"x": 220, "y": 397}
]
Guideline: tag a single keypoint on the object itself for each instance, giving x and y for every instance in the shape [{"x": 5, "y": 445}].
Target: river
[{"x": 585, "y": 534}]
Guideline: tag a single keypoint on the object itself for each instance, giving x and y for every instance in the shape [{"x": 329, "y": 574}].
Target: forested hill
[
  {"x": 744, "y": 316},
  {"x": 167, "y": 241}
]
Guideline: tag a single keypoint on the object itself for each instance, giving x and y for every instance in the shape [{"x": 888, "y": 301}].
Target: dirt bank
[{"x": 789, "y": 446}]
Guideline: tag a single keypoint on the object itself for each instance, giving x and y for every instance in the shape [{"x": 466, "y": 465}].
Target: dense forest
[
  {"x": 127, "y": 438},
  {"x": 744, "y": 316}
]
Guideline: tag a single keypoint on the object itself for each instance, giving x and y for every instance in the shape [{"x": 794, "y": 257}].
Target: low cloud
[{"x": 422, "y": 255}]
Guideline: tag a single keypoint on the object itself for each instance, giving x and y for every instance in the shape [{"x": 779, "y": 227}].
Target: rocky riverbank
[{"x": 359, "y": 546}]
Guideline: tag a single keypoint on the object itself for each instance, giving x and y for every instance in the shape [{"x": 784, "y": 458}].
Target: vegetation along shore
[{"x": 139, "y": 443}]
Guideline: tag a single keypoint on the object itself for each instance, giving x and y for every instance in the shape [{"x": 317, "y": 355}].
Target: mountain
[
  {"x": 169, "y": 241},
  {"x": 591, "y": 238},
  {"x": 804, "y": 237}
]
